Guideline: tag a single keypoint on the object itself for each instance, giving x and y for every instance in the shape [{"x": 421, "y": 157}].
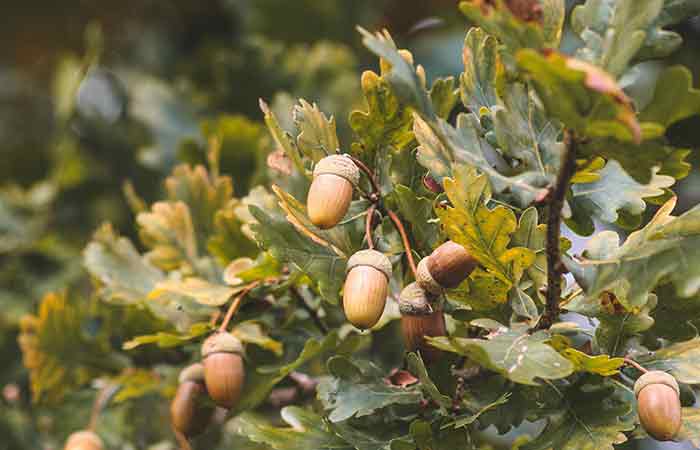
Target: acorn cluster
[{"x": 217, "y": 381}]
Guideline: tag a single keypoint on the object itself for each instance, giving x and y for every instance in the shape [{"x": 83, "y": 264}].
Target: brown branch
[
  {"x": 368, "y": 226},
  {"x": 370, "y": 174},
  {"x": 556, "y": 204},
  {"x": 404, "y": 238},
  {"x": 635, "y": 364},
  {"x": 99, "y": 403},
  {"x": 236, "y": 303}
]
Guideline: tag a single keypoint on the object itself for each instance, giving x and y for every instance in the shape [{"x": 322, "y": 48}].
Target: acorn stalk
[
  {"x": 658, "y": 404},
  {"x": 445, "y": 268},
  {"x": 331, "y": 190},
  {"x": 421, "y": 316},
  {"x": 191, "y": 410},
  {"x": 366, "y": 287},
  {"x": 84, "y": 440},
  {"x": 224, "y": 372}
]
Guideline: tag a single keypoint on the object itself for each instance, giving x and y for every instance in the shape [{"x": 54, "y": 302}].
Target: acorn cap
[
  {"x": 425, "y": 279},
  {"x": 655, "y": 377},
  {"x": 221, "y": 342},
  {"x": 339, "y": 165},
  {"x": 371, "y": 258},
  {"x": 415, "y": 301},
  {"x": 193, "y": 372},
  {"x": 84, "y": 437}
]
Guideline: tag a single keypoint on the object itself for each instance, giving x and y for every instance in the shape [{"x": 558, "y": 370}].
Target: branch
[
  {"x": 404, "y": 238},
  {"x": 556, "y": 204},
  {"x": 368, "y": 226},
  {"x": 236, "y": 303},
  {"x": 635, "y": 364}
]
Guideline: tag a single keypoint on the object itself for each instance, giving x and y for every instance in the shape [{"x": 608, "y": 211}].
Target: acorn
[
  {"x": 191, "y": 410},
  {"x": 421, "y": 316},
  {"x": 330, "y": 193},
  {"x": 366, "y": 287},
  {"x": 658, "y": 404},
  {"x": 445, "y": 268},
  {"x": 224, "y": 373},
  {"x": 84, "y": 440}
]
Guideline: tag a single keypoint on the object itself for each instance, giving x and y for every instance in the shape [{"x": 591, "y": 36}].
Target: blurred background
[{"x": 99, "y": 100}]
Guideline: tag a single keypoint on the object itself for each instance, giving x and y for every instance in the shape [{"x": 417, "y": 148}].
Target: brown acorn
[
  {"x": 658, "y": 404},
  {"x": 84, "y": 440},
  {"x": 366, "y": 287},
  {"x": 445, "y": 268},
  {"x": 224, "y": 373},
  {"x": 420, "y": 318},
  {"x": 191, "y": 410},
  {"x": 330, "y": 193}
]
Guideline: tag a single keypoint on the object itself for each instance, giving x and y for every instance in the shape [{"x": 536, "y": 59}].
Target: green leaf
[
  {"x": 690, "y": 431},
  {"x": 199, "y": 290},
  {"x": 682, "y": 360},
  {"x": 251, "y": 332},
  {"x": 641, "y": 161},
  {"x": 482, "y": 291},
  {"x": 596, "y": 417},
  {"x": 306, "y": 431},
  {"x": 663, "y": 250},
  {"x": 137, "y": 383},
  {"x": 59, "y": 351},
  {"x": 484, "y": 232},
  {"x": 417, "y": 367},
  {"x": 168, "y": 231},
  {"x": 357, "y": 391},
  {"x": 228, "y": 241},
  {"x": 418, "y": 214},
  {"x": 525, "y": 133},
  {"x": 203, "y": 194},
  {"x": 481, "y": 67},
  {"x": 167, "y": 340},
  {"x": 581, "y": 96},
  {"x": 283, "y": 139},
  {"x": 261, "y": 380},
  {"x": 613, "y": 30},
  {"x": 465, "y": 420},
  {"x": 317, "y": 136},
  {"x": 533, "y": 235},
  {"x": 674, "y": 98},
  {"x": 660, "y": 43},
  {"x": 322, "y": 265},
  {"x": 600, "y": 364},
  {"x": 613, "y": 192},
  {"x": 113, "y": 260},
  {"x": 512, "y": 352},
  {"x": 517, "y": 26},
  {"x": 444, "y": 96},
  {"x": 384, "y": 126}
]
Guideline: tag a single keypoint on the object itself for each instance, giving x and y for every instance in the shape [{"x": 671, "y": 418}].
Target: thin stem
[
  {"x": 235, "y": 304},
  {"x": 368, "y": 226},
  {"x": 103, "y": 395},
  {"x": 404, "y": 238},
  {"x": 375, "y": 186},
  {"x": 312, "y": 312},
  {"x": 182, "y": 440},
  {"x": 556, "y": 204},
  {"x": 635, "y": 364}
]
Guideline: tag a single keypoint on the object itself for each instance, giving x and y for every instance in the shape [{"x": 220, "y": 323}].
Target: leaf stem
[
  {"x": 236, "y": 303},
  {"x": 368, "y": 225},
  {"x": 312, "y": 312},
  {"x": 370, "y": 174},
  {"x": 101, "y": 399},
  {"x": 404, "y": 238},
  {"x": 556, "y": 204},
  {"x": 635, "y": 364}
]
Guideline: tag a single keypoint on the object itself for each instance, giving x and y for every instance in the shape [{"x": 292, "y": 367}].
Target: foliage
[{"x": 526, "y": 136}]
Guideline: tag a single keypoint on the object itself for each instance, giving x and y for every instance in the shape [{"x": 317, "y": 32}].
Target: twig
[
  {"x": 312, "y": 312},
  {"x": 368, "y": 171},
  {"x": 404, "y": 238},
  {"x": 182, "y": 440},
  {"x": 101, "y": 399},
  {"x": 236, "y": 303},
  {"x": 635, "y": 364},
  {"x": 556, "y": 204},
  {"x": 368, "y": 226}
]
